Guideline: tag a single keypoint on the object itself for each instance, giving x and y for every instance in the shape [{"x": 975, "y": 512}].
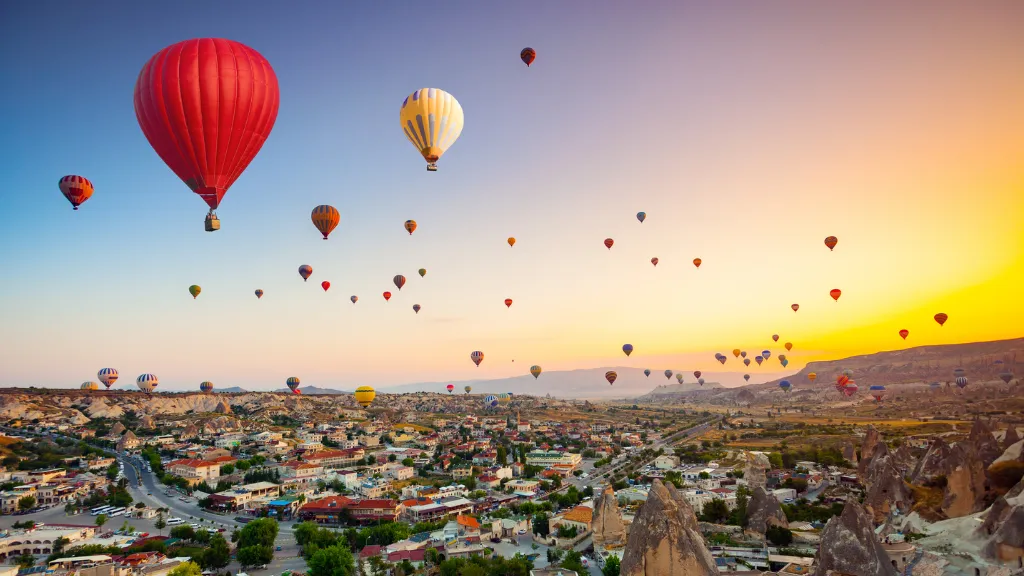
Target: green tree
[
  {"x": 775, "y": 459},
  {"x": 573, "y": 561},
  {"x": 26, "y": 502},
  {"x": 335, "y": 560},
  {"x": 779, "y": 536},
  {"x": 101, "y": 520},
  {"x": 26, "y": 561},
  {"x": 502, "y": 455},
  {"x": 217, "y": 554},
  {"x": 186, "y": 569},
  {"x": 260, "y": 532},
  {"x": 255, "y": 555},
  {"x": 183, "y": 533},
  {"x": 227, "y": 469},
  {"x": 540, "y": 524},
  {"x": 715, "y": 511},
  {"x": 160, "y": 523},
  {"x": 611, "y": 567}
]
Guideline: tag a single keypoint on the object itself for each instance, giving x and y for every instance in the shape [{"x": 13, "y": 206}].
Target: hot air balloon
[
  {"x": 206, "y": 387},
  {"x": 490, "y": 401},
  {"x": 788, "y": 346},
  {"x": 795, "y": 307},
  {"x": 468, "y": 389},
  {"x": 848, "y": 373},
  {"x": 293, "y": 383},
  {"x": 508, "y": 302},
  {"x": 450, "y": 388},
  {"x": 831, "y": 242},
  {"x": 758, "y": 359},
  {"x": 641, "y": 216},
  {"x": 835, "y": 293},
  {"x": 354, "y": 298},
  {"x": 812, "y": 376},
  {"x": 432, "y": 120},
  {"x": 511, "y": 241},
  {"x": 610, "y": 376},
  {"x": 608, "y": 242},
  {"x": 194, "y": 290},
  {"x": 961, "y": 382},
  {"x": 399, "y": 281},
  {"x": 904, "y": 333},
  {"x": 527, "y": 55},
  {"x": 259, "y": 294},
  {"x": 206, "y": 106},
  {"x": 654, "y": 261},
  {"x": 535, "y": 370},
  {"x": 647, "y": 372},
  {"x": 325, "y": 285},
  {"x": 108, "y": 376},
  {"x": 504, "y": 398},
  {"x": 746, "y": 361},
  {"x": 746, "y": 377},
  {"x": 766, "y": 354},
  {"x": 416, "y": 308},
  {"x": 784, "y": 362},
  {"x": 387, "y": 296},
  {"x": 736, "y": 352},
  {"x": 297, "y": 392},
  {"x": 423, "y": 272},
  {"x": 700, "y": 381},
  {"x": 775, "y": 337},
  {"x": 410, "y": 226},
  {"x": 147, "y": 382},
  {"x": 850, "y": 389},
  {"x": 782, "y": 356},
  {"x": 365, "y": 395},
  {"x": 627, "y": 348},
  {"x": 785, "y": 385},
  {"x": 679, "y": 377},
  {"x": 935, "y": 385},
  {"x": 722, "y": 358},
  {"x": 743, "y": 354},
  {"x": 697, "y": 373},
  {"x": 842, "y": 380},
  {"x": 305, "y": 271},
  {"x": 325, "y": 218},
  {"x": 696, "y": 262},
  {"x": 1006, "y": 377},
  {"x": 941, "y": 318},
  {"x": 90, "y": 386},
  {"x": 477, "y": 357},
  {"x": 959, "y": 372},
  {"x": 77, "y": 189},
  {"x": 877, "y": 392},
  {"x": 668, "y": 374}
]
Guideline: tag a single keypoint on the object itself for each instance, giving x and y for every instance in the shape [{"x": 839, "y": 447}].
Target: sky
[{"x": 748, "y": 132}]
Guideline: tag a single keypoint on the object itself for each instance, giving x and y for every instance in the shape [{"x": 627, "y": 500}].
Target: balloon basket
[
  {"x": 431, "y": 167},
  {"x": 212, "y": 223}
]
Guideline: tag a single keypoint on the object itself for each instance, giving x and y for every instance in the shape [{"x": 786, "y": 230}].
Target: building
[
  {"x": 248, "y": 496},
  {"x": 194, "y": 470},
  {"x": 451, "y": 491},
  {"x": 230, "y": 440},
  {"x": 439, "y": 510},
  {"x": 400, "y": 472},
  {"x": 127, "y": 442},
  {"x": 666, "y": 462},
  {"x": 579, "y": 517},
  {"x": 40, "y": 541},
  {"x": 335, "y": 458},
  {"x": 548, "y": 458},
  {"x": 298, "y": 469},
  {"x": 332, "y": 509}
]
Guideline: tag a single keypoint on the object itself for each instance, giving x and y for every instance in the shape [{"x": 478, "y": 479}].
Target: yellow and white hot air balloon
[
  {"x": 90, "y": 386},
  {"x": 432, "y": 120},
  {"x": 365, "y": 395}
]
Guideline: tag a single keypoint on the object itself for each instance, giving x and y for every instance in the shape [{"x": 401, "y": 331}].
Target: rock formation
[
  {"x": 886, "y": 489},
  {"x": 117, "y": 429},
  {"x": 904, "y": 459},
  {"x": 755, "y": 470},
  {"x": 146, "y": 423},
  {"x": 867, "y": 449},
  {"x": 933, "y": 464},
  {"x": 609, "y": 531},
  {"x": 223, "y": 407},
  {"x": 984, "y": 443},
  {"x": 1013, "y": 453},
  {"x": 965, "y": 482},
  {"x": 850, "y": 453},
  {"x": 848, "y": 546},
  {"x": 1011, "y": 437},
  {"x": 664, "y": 539},
  {"x": 1003, "y": 528},
  {"x": 763, "y": 510}
]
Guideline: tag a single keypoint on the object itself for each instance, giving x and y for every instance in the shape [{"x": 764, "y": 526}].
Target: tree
[
  {"x": 186, "y": 569},
  {"x": 715, "y": 511},
  {"x": 183, "y": 533},
  {"x": 611, "y": 566},
  {"x": 260, "y": 532},
  {"x": 779, "y": 536},
  {"x": 101, "y": 520},
  {"x": 217, "y": 555},
  {"x": 255, "y": 555},
  {"x": 26, "y": 561},
  {"x": 160, "y": 523},
  {"x": 573, "y": 561},
  {"x": 334, "y": 560},
  {"x": 26, "y": 502},
  {"x": 502, "y": 456},
  {"x": 540, "y": 524},
  {"x": 227, "y": 469}
]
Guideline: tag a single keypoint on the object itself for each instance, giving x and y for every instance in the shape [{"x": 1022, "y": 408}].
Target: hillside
[
  {"x": 922, "y": 364},
  {"x": 667, "y": 391},
  {"x": 314, "y": 390}
]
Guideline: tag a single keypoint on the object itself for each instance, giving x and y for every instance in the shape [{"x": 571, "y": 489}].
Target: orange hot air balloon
[
  {"x": 835, "y": 293},
  {"x": 387, "y": 296},
  {"x": 941, "y": 318},
  {"x": 76, "y": 189},
  {"x": 608, "y": 243},
  {"x": 410, "y": 226},
  {"x": 795, "y": 307},
  {"x": 399, "y": 281},
  {"x": 831, "y": 242},
  {"x": 325, "y": 218},
  {"x": 775, "y": 337},
  {"x": 736, "y": 352},
  {"x": 904, "y": 333},
  {"x": 325, "y": 285},
  {"x": 654, "y": 261},
  {"x": 696, "y": 262},
  {"x": 508, "y": 302},
  {"x": 789, "y": 346},
  {"x": 527, "y": 55},
  {"x": 511, "y": 241}
]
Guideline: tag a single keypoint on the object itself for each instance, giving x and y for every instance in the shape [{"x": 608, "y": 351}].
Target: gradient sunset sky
[{"x": 747, "y": 131}]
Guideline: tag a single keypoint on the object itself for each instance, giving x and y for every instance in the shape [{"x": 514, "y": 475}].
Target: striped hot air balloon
[
  {"x": 961, "y": 382},
  {"x": 850, "y": 389},
  {"x": 77, "y": 189},
  {"x": 292, "y": 383},
  {"x": 877, "y": 392},
  {"x": 535, "y": 370},
  {"x": 108, "y": 376},
  {"x": 326, "y": 219},
  {"x": 147, "y": 382},
  {"x": 468, "y": 389},
  {"x": 365, "y": 395},
  {"x": 90, "y": 386},
  {"x": 941, "y": 318},
  {"x": 610, "y": 376},
  {"x": 432, "y": 120},
  {"x": 477, "y": 357},
  {"x": 668, "y": 374},
  {"x": 490, "y": 401},
  {"x": 206, "y": 387},
  {"x": 504, "y": 398},
  {"x": 831, "y": 242}
]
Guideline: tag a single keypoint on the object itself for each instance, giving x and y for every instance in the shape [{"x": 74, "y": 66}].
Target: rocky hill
[{"x": 673, "y": 391}]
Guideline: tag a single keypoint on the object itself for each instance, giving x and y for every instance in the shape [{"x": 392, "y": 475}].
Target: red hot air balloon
[
  {"x": 76, "y": 189},
  {"x": 835, "y": 293},
  {"x": 450, "y": 387},
  {"x": 399, "y": 281},
  {"x": 528, "y": 55},
  {"x": 775, "y": 337},
  {"x": 325, "y": 285},
  {"x": 697, "y": 373},
  {"x": 654, "y": 261},
  {"x": 941, "y": 318},
  {"x": 904, "y": 334},
  {"x": 795, "y": 307},
  {"x": 696, "y": 262},
  {"x": 387, "y": 296},
  {"x": 608, "y": 242},
  {"x": 206, "y": 106},
  {"x": 831, "y": 242},
  {"x": 508, "y": 302}
]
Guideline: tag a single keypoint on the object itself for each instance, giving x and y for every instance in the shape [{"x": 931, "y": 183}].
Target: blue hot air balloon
[
  {"x": 641, "y": 216},
  {"x": 647, "y": 371},
  {"x": 490, "y": 401},
  {"x": 627, "y": 348},
  {"x": 785, "y": 385},
  {"x": 784, "y": 362},
  {"x": 766, "y": 354}
]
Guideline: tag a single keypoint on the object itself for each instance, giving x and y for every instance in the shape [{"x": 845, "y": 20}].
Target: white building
[{"x": 666, "y": 462}]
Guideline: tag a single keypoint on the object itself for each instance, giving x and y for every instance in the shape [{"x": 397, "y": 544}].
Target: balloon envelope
[
  {"x": 325, "y": 285},
  {"x": 206, "y": 387},
  {"x": 795, "y": 307},
  {"x": 194, "y": 290},
  {"x": 423, "y": 272},
  {"x": 941, "y": 318},
  {"x": 410, "y": 226},
  {"x": 365, "y": 395},
  {"x": 535, "y": 370},
  {"x": 511, "y": 241},
  {"x": 477, "y": 357},
  {"x": 641, "y": 216},
  {"x": 831, "y": 242},
  {"x": 305, "y": 271},
  {"x": 696, "y": 262},
  {"x": 399, "y": 281},
  {"x": 904, "y": 334},
  {"x": 647, "y": 372},
  {"x": 325, "y": 218},
  {"x": 354, "y": 298},
  {"x": 387, "y": 296},
  {"x": 527, "y": 55},
  {"x": 147, "y": 382},
  {"x": 608, "y": 243},
  {"x": 76, "y": 189},
  {"x": 432, "y": 120},
  {"x": 654, "y": 261},
  {"x": 108, "y": 376},
  {"x": 788, "y": 345},
  {"x": 835, "y": 293},
  {"x": 627, "y": 348},
  {"x": 508, "y": 302},
  {"x": 610, "y": 376},
  {"x": 292, "y": 383},
  {"x": 668, "y": 373},
  {"x": 259, "y": 294},
  {"x": 416, "y": 308}
]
